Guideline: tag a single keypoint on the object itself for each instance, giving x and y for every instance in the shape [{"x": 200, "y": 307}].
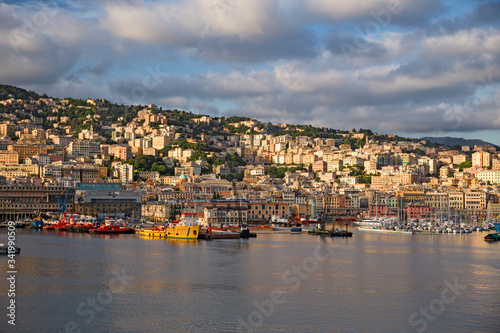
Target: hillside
[
  {"x": 80, "y": 111},
  {"x": 16, "y": 92}
]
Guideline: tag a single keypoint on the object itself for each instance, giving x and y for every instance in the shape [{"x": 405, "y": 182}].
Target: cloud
[
  {"x": 372, "y": 15},
  {"x": 40, "y": 43},
  {"x": 388, "y": 65},
  {"x": 186, "y": 22},
  {"x": 484, "y": 15},
  {"x": 217, "y": 30}
]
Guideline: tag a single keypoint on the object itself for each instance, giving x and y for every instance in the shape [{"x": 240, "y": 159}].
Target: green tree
[{"x": 466, "y": 164}]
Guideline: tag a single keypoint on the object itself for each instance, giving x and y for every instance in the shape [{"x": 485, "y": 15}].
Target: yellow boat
[
  {"x": 187, "y": 228},
  {"x": 154, "y": 233},
  {"x": 184, "y": 232}
]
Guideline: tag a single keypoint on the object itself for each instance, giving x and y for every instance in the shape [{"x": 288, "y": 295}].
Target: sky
[{"x": 409, "y": 67}]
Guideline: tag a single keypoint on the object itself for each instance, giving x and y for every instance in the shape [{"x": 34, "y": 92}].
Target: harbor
[{"x": 159, "y": 273}]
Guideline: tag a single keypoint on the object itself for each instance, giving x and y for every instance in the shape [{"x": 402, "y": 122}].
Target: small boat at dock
[
  {"x": 494, "y": 237},
  {"x": 245, "y": 233}
]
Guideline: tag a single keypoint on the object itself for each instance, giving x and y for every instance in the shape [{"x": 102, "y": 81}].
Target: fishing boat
[{"x": 186, "y": 228}]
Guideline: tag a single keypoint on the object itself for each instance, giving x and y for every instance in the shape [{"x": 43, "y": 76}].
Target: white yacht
[{"x": 370, "y": 222}]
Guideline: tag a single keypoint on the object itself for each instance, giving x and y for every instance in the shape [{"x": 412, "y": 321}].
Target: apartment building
[
  {"x": 481, "y": 159},
  {"x": 491, "y": 176},
  {"x": 84, "y": 148},
  {"x": 9, "y": 157},
  {"x": 27, "y": 150},
  {"x": 474, "y": 200},
  {"x": 262, "y": 212},
  {"x": 456, "y": 200}
]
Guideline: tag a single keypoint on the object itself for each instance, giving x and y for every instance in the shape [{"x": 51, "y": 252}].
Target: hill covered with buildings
[{"x": 170, "y": 157}]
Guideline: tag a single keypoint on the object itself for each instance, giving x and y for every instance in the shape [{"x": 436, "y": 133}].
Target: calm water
[{"x": 370, "y": 283}]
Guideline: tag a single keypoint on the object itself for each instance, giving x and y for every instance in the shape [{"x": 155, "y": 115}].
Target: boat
[
  {"x": 9, "y": 250},
  {"x": 330, "y": 233},
  {"x": 154, "y": 232},
  {"x": 20, "y": 225},
  {"x": 340, "y": 233},
  {"x": 219, "y": 234},
  {"x": 37, "y": 222},
  {"x": 371, "y": 222},
  {"x": 111, "y": 229},
  {"x": 59, "y": 226},
  {"x": 296, "y": 230},
  {"x": 389, "y": 231},
  {"x": 186, "y": 228},
  {"x": 245, "y": 233},
  {"x": 494, "y": 237},
  {"x": 81, "y": 227}
]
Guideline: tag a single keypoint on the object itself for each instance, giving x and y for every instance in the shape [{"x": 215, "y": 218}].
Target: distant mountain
[{"x": 450, "y": 141}]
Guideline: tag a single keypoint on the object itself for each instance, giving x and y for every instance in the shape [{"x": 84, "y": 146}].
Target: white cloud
[
  {"x": 462, "y": 43},
  {"x": 186, "y": 22}
]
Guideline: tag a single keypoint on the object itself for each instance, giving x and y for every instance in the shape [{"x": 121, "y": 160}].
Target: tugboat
[
  {"x": 245, "y": 233},
  {"x": 111, "y": 229}
]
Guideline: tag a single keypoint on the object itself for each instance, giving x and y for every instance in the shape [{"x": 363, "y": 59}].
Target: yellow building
[
  {"x": 31, "y": 170},
  {"x": 263, "y": 211}
]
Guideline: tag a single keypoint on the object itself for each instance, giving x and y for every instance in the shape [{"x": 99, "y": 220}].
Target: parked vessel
[
  {"x": 371, "y": 222},
  {"x": 245, "y": 233},
  {"x": 111, "y": 228},
  {"x": 387, "y": 230},
  {"x": 157, "y": 231},
  {"x": 186, "y": 228},
  {"x": 494, "y": 237},
  {"x": 4, "y": 249}
]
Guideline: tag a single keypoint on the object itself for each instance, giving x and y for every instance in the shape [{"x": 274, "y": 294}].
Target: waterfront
[{"x": 370, "y": 283}]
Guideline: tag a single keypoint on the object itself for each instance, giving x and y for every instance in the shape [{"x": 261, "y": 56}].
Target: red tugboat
[
  {"x": 112, "y": 228},
  {"x": 61, "y": 225},
  {"x": 83, "y": 227}
]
